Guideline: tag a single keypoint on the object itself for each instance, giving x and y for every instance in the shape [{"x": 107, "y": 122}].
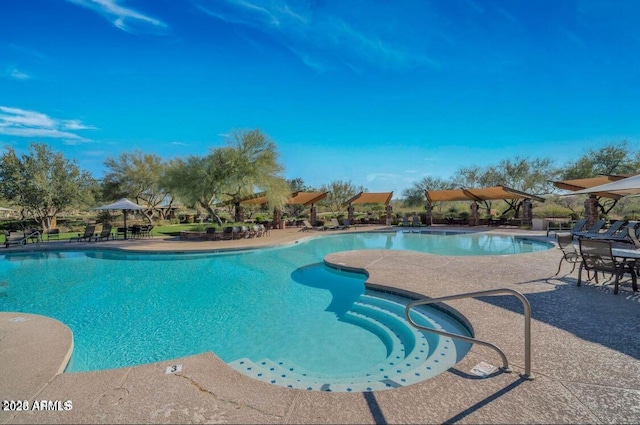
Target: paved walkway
[{"x": 586, "y": 351}]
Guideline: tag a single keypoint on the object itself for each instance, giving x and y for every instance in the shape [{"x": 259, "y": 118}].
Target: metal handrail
[{"x": 505, "y": 363}]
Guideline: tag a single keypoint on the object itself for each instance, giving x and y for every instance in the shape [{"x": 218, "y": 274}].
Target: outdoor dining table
[{"x": 627, "y": 253}]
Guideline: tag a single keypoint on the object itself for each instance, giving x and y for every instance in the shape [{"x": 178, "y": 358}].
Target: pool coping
[{"x": 206, "y": 389}]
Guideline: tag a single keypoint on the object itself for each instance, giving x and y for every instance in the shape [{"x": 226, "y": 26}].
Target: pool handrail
[{"x": 505, "y": 363}]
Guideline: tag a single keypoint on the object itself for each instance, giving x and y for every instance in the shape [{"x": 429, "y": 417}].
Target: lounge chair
[
  {"x": 14, "y": 238},
  {"x": 415, "y": 222},
  {"x": 597, "y": 256},
  {"x": 53, "y": 234},
  {"x": 307, "y": 226},
  {"x": 86, "y": 236},
  {"x": 611, "y": 231},
  {"x": 569, "y": 252},
  {"x": 227, "y": 233},
  {"x": 592, "y": 231},
  {"x": 405, "y": 221},
  {"x": 104, "y": 234},
  {"x": 578, "y": 226},
  {"x": 346, "y": 223},
  {"x": 335, "y": 224}
]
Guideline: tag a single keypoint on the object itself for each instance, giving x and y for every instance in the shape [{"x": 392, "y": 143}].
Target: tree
[
  {"x": 43, "y": 183},
  {"x": 339, "y": 192},
  {"x": 297, "y": 185},
  {"x": 523, "y": 174},
  {"x": 415, "y": 195},
  {"x": 611, "y": 159},
  {"x": 248, "y": 164},
  {"x": 137, "y": 176}
]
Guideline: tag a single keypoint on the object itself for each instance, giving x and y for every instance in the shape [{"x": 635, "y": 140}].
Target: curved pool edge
[
  {"x": 37, "y": 349},
  {"x": 356, "y": 261}
]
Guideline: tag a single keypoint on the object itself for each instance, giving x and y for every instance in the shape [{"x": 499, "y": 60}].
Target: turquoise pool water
[{"x": 279, "y": 303}]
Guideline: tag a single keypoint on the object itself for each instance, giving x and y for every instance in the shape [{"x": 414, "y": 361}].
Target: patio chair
[
  {"x": 632, "y": 233},
  {"x": 120, "y": 232},
  {"x": 335, "y": 224},
  {"x": 145, "y": 231},
  {"x": 86, "y": 236},
  {"x": 592, "y": 231},
  {"x": 346, "y": 223},
  {"x": 569, "y": 252},
  {"x": 415, "y": 222},
  {"x": 597, "y": 256},
  {"x": 405, "y": 221},
  {"x": 104, "y": 234}
]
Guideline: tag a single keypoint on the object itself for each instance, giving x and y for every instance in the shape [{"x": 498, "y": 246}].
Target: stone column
[
  {"x": 313, "y": 215},
  {"x": 388, "y": 211},
  {"x": 473, "y": 221},
  {"x": 350, "y": 214},
  {"x": 591, "y": 210},
  {"x": 527, "y": 212},
  {"x": 239, "y": 213},
  {"x": 429, "y": 214}
]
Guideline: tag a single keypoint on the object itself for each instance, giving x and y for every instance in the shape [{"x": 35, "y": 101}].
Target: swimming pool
[{"x": 277, "y": 305}]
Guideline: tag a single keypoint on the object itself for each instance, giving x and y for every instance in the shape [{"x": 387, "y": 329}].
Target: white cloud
[
  {"x": 19, "y": 75},
  {"x": 371, "y": 177},
  {"x": 179, "y": 144},
  {"x": 317, "y": 36},
  {"x": 24, "y": 123},
  {"x": 123, "y": 18}
]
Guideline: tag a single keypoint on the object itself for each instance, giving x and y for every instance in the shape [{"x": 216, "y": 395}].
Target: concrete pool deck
[{"x": 585, "y": 340}]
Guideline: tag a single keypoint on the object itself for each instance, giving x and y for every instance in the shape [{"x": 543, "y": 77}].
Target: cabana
[
  {"x": 370, "y": 198},
  {"x": 308, "y": 199},
  {"x": 479, "y": 195}
]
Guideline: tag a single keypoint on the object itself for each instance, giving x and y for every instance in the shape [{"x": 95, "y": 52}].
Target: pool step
[{"x": 412, "y": 355}]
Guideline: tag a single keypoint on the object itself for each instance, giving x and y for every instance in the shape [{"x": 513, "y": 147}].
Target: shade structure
[
  {"x": 123, "y": 205},
  {"x": 296, "y": 198},
  {"x": 482, "y": 194},
  {"x": 576, "y": 185},
  {"x": 627, "y": 186},
  {"x": 371, "y": 198}
]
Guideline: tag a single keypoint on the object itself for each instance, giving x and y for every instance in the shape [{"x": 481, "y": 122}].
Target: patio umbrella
[
  {"x": 628, "y": 186},
  {"x": 125, "y": 205}
]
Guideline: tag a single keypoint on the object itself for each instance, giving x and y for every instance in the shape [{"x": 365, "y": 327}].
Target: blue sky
[{"x": 378, "y": 92}]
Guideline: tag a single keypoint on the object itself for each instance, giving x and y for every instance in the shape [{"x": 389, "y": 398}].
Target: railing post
[{"x": 527, "y": 325}]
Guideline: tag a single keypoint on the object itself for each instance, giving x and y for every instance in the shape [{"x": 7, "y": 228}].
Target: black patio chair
[
  {"x": 569, "y": 252},
  {"x": 597, "y": 256}
]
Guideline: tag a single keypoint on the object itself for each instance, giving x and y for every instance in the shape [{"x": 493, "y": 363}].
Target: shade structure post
[
  {"x": 474, "y": 214},
  {"x": 591, "y": 210},
  {"x": 427, "y": 207},
  {"x": 313, "y": 215},
  {"x": 124, "y": 213},
  {"x": 388, "y": 211},
  {"x": 527, "y": 212},
  {"x": 350, "y": 213}
]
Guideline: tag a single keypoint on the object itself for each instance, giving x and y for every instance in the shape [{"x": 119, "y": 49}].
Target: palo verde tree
[
  {"x": 136, "y": 176},
  {"x": 248, "y": 164},
  {"x": 415, "y": 195},
  {"x": 339, "y": 192},
  {"x": 43, "y": 183}
]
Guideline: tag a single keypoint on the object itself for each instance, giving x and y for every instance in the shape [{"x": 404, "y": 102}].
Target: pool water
[{"x": 277, "y": 304}]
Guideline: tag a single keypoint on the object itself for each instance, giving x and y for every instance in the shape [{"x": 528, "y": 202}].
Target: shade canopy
[
  {"x": 482, "y": 194},
  {"x": 296, "y": 198},
  {"x": 123, "y": 204},
  {"x": 627, "y": 186},
  {"x": 371, "y": 198},
  {"x": 575, "y": 185}
]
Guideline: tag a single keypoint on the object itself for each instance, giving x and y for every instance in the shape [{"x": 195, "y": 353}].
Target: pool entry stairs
[{"x": 412, "y": 355}]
